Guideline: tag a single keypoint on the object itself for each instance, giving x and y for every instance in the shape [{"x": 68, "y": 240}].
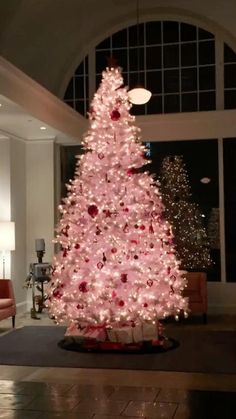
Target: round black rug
[{"x": 71, "y": 343}]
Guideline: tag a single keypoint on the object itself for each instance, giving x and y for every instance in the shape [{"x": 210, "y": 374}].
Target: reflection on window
[{"x": 230, "y": 207}]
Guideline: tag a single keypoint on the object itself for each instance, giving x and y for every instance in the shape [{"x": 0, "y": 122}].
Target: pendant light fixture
[{"x": 139, "y": 95}]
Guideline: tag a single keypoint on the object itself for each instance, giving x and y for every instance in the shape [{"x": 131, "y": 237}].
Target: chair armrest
[{"x": 6, "y": 289}]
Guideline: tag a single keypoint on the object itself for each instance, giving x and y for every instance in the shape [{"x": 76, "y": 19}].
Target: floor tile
[
  {"x": 63, "y": 415},
  {"x": 150, "y": 410},
  {"x": 14, "y": 401},
  {"x": 172, "y": 395},
  {"x": 53, "y": 403},
  {"x": 19, "y": 414},
  {"x": 12, "y": 387},
  {"x": 135, "y": 393},
  {"x": 91, "y": 391},
  {"x": 102, "y": 406}
]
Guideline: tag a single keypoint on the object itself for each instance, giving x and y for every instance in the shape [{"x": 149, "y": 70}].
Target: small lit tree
[{"x": 190, "y": 237}]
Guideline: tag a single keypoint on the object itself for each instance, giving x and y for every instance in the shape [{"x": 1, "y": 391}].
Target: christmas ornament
[
  {"x": 93, "y": 210},
  {"x": 100, "y": 265},
  {"x": 57, "y": 294},
  {"x": 142, "y": 227},
  {"x": 113, "y": 250},
  {"x": 121, "y": 303},
  {"x": 101, "y": 156},
  {"x": 150, "y": 282},
  {"x": 126, "y": 228},
  {"x": 145, "y": 305},
  {"x": 83, "y": 286},
  {"x": 80, "y": 306},
  {"x": 151, "y": 229},
  {"x": 124, "y": 278},
  {"x": 77, "y": 246},
  {"x": 115, "y": 115}
]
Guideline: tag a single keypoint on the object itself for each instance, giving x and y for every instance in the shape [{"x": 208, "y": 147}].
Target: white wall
[
  {"x": 18, "y": 214},
  {"x": 39, "y": 197},
  {"x": 5, "y": 197}
]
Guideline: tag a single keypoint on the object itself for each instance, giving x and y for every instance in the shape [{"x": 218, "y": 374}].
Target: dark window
[
  {"x": 135, "y": 79},
  {"x": 121, "y": 56},
  {"x": 229, "y": 54},
  {"x": 170, "y": 32},
  {"x": 230, "y": 75},
  {"x": 154, "y": 81},
  {"x": 230, "y": 99},
  {"x": 189, "y": 54},
  {"x": 101, "y": 60},
  {"x": 154, "y": 105},
  {"x": 153, "y": 58},
  {"x": 79, "y": 87},
  {"x": 189, "y": 102},
  {"x": 136, "y": 37},
  {"x": 171, "y": 81},
  {"x": 171, "y": 103},
  {"x": 207, "y": 101},
  {"x": 136, "y": 59},
  {"x": 206, "y": 52},
  {"x": 153, "y": 33},
  {"x": 171, "y": 56},
  {"x": 187, "y": 32},
  {"x": 105, "y": 44},
  {"x": 119, "y": 39},
  {"x": 229, "y": 147},
  {"x": 189, "y": 79},
  {"x": 206, "y": 78},
  {"x": 202, "y": 34},
  {"x": 69, "y": 91}
]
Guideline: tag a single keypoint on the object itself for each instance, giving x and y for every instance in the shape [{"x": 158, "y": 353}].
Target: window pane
[
  {"x": 69, "y": 94},
  {"x": 201, "y": 160},
  {"x": 154, "y": 81},
  {"x": 187, "y": 32},
  {"x": 230, "y": 75},
  {"x": 101, "y": 60},
  {"x": 121, "y": 56},
  {"x": 138, "y": 110},
  {"x": 229, "y": 55},
  {"x": 171, "y": 81},
  {"x": 136, "y": 54},
  {"x": 136, "y": 78},
  {"x": 153, "y": 33},
  {"x": 207, "y": 101},
  {"x": 171, "y": 103},
  {"x": 229, "y": 147},
  {"x": 134, "y": 35},
  {"x": 79, "y": 87},
  {"x": 153, "y": 58},
  {"x": 105, "y": 44},
  {"x": 188, "y": 54},
  {"x": 206, "y": 78},
  {"x": 80, "y": 106},
  {"x": 189, "y": 79},
  {"x": 154, "y": 105},
  {"x": 170, "y": 32},
  {"x": 171, "y": 56},
  {"x": 206, "y": 52},
  {"x": 202, "y": 34},
  {"x": 189, "y": 102},
  {"x": 230, "y": 99},
  {"x": 119, "y": 39}
]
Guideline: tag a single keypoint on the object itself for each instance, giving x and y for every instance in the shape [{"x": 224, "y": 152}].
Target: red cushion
[{"x": 5, "y": 302}]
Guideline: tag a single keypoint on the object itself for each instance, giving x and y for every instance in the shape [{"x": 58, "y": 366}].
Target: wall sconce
[{"x": 7, "y": 240}]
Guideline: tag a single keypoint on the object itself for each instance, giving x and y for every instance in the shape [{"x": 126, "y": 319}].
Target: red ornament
[
  {"x": 113, "y": 294},
  {"x": 123, "y": 278},
  {"x": 126, "y": 228},
  {"x": 151, "y": 245},
  {"x": 115, "y": 115},
  {"x": 83, "y": 286},
  {"x": 150, "y": 282},
  {"x": 154, "y": 214},
  {"x": 122, "y": 204},
  {"x": 65, "y": 253},
  {"x": 100, "y": 265},
  {"x": 172, "y": 290},
  {"x": 151, "y": 229},
  {"x": 136, "y": 226},
  {"x": 133, "y": 241},
  {"x": 145, "y": 305},
  {"x": 168, "y": 270},
  {"x": 80, "y": 307},
  {"x": 77, "y": 246},
  {"x": 126, "y": 209},
  {"x": 100, "y": 156},
  {"x": 121, "y": 303},
  {"x": 107, "y": 213},
  {"x": 98, "y": 231},
  {"x": 114, "y": 250},
  {"x": 72, "y": 202},
  {"x": 135, "y": 256},
  {"x": 142, "y": 227},
  {"x": 57, "y": 294},
  {"x": 131, "y": 171},
  {"x": 93, "y": 210},
  {"x": 86, "y": 260}
]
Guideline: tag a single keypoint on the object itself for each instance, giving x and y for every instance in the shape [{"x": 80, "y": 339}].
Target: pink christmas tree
[{"x": 117, "y": 263}]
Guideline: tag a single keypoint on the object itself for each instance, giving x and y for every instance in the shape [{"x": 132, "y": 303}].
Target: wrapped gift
[
  {"x": 137, "y": 332},
  {"x": 120, "y": 334},
  {"x": 150, "y": 331},
  {"x": 95, "y": 333},
  {"x": 74, "y": 330}
]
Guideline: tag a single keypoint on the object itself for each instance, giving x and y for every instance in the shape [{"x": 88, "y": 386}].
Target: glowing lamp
[{"x": 139, "y": 95}]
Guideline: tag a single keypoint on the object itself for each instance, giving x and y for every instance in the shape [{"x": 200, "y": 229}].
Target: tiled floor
[{"x": 69, "y": 393}]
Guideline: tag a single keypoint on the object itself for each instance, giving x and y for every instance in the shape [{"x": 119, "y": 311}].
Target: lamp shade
[
  {"x": 139, "y": 95},
  {"x": 7, "y": 235}
]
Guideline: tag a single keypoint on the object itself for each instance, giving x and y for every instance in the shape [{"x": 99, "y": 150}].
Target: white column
[{"x": 40, "y": 197}]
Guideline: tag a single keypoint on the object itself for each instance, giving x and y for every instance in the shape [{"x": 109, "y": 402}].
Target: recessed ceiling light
[
  {"x": 0, "y": 105},
  {"x": 43, "y": 128},
  {"x": 205, "y": 180}
]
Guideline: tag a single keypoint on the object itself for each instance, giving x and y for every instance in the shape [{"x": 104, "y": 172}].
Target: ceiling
[{"x": 15, "y": 121}]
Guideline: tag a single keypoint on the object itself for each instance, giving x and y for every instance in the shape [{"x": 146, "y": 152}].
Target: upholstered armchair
[
  {"x": 196, "y": 291},
  {"x": 7, "y": 300}
]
